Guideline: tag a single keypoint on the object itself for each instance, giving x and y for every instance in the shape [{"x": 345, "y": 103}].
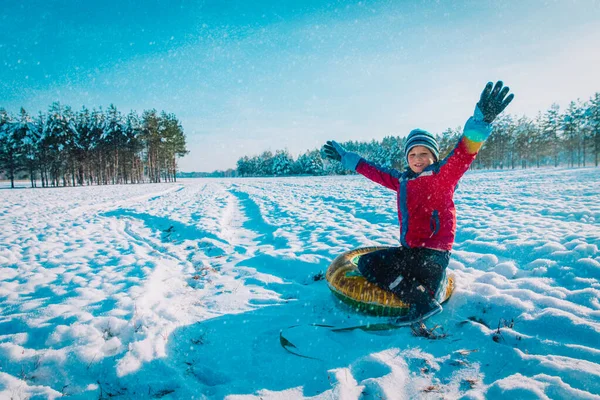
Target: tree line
[
  {"x": 63, "y": 147},
  {"x": 552, "y": 138}
]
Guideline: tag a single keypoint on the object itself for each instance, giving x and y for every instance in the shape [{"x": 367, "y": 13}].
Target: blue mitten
[
  {"x": 334, "y": 151},
  {"x": 476, "y": 129},
  {"x": 491, "y": 103}
]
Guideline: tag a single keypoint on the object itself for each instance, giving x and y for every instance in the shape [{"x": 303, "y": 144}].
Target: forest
[
  {"x": 553, "y": 138},
  {"x": 62, "y": 147}
]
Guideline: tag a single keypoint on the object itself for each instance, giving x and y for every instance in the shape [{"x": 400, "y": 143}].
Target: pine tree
[
  {"x": 133, "y": 147},
  {"x": 265, "y": 164},
  {"x": 593, "y": 121},
  {"x": 282, "y": 163},
  {"x": 570, "y": 126},
  {"x": 97, "y": 125},
  {"x": 550, "y": 129},
  {"x": 523, "y": 140},
  {"x": 27, "y": 132},
  {"x": 10, "y": 147},
  {"x": 309, "y": 163},
  {"x": 59, "y": 141},
  {"x": 447, "y": 141},
  {"x": 84, "y": 145},
  {"x": 150, "y": 136},
  {"x": 172, "y": 144},
  {"x": 113, "y": 138}
]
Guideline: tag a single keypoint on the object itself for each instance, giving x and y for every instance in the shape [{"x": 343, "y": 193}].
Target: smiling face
[{"x": 419, "y": 158}]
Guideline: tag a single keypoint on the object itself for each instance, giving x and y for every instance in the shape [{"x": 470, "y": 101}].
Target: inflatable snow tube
[{"x": 347, "y": 284}]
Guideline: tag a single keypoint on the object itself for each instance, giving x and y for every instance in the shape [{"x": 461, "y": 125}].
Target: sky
[{"x": 244, "y": 77}]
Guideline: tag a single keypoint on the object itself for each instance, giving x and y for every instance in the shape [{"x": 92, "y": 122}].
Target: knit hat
[{"x": 419, "y": 137}]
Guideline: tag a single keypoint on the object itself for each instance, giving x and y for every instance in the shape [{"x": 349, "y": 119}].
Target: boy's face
[{"x": 419, "y": 158}]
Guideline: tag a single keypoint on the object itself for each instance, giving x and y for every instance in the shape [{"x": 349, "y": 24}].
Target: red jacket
[{"x": 426, "y": 209}]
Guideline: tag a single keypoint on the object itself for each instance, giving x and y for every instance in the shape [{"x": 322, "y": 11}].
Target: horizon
[{"x": 246, "y": 78}]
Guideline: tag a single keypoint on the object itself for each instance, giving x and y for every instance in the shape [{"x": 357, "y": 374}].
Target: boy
[{"x": 426, "y": 209}]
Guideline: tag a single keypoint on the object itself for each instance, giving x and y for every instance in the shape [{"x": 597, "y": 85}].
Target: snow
[{"x": 181, "y": 290}]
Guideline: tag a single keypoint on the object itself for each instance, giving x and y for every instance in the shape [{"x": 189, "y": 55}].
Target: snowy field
[{"x": 181, "y": 290}]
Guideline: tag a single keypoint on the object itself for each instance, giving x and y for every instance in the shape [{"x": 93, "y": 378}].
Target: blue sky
[{"x": 247, "y": 76}]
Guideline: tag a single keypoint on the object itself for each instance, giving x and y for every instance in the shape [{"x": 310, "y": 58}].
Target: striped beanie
[{"x": 419, "y": 137}]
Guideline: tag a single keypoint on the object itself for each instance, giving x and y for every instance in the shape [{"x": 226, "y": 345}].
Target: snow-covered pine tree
[
  {"x": 571, "y": 127},
  {"x": 265, "y": 164},
  {"x": 309, "y": 163},
  {"x": 282, "y": 163},
  {"x": 172, "y": 145},
  {"x": 113, "y": 139},
  {"x": 59, "y": 139},
  {"x": 10, "y": 147},
  {"x": 26, "y": 130},
  {"x": 134, "y": 171},
  {"x": 593, "y": 121}
]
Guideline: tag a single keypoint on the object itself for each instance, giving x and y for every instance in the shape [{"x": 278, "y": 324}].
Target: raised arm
[
  {"x": 491, "y": 103},
  {"x": 354, "y": 162},
  {"x": 494, "y": 99}
]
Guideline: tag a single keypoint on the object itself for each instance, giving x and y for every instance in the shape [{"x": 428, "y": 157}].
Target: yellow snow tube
[{"x": 346, "y": 283}]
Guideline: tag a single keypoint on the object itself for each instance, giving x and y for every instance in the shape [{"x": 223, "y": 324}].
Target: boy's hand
[
  {"x": 334, "y": 151},
  {"x": 493, "y": 101}
]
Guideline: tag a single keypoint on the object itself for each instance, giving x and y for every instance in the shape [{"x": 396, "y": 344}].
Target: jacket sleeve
[
  {"x": 454, "y": 166},
  {"x": 386, "y": 177}
]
